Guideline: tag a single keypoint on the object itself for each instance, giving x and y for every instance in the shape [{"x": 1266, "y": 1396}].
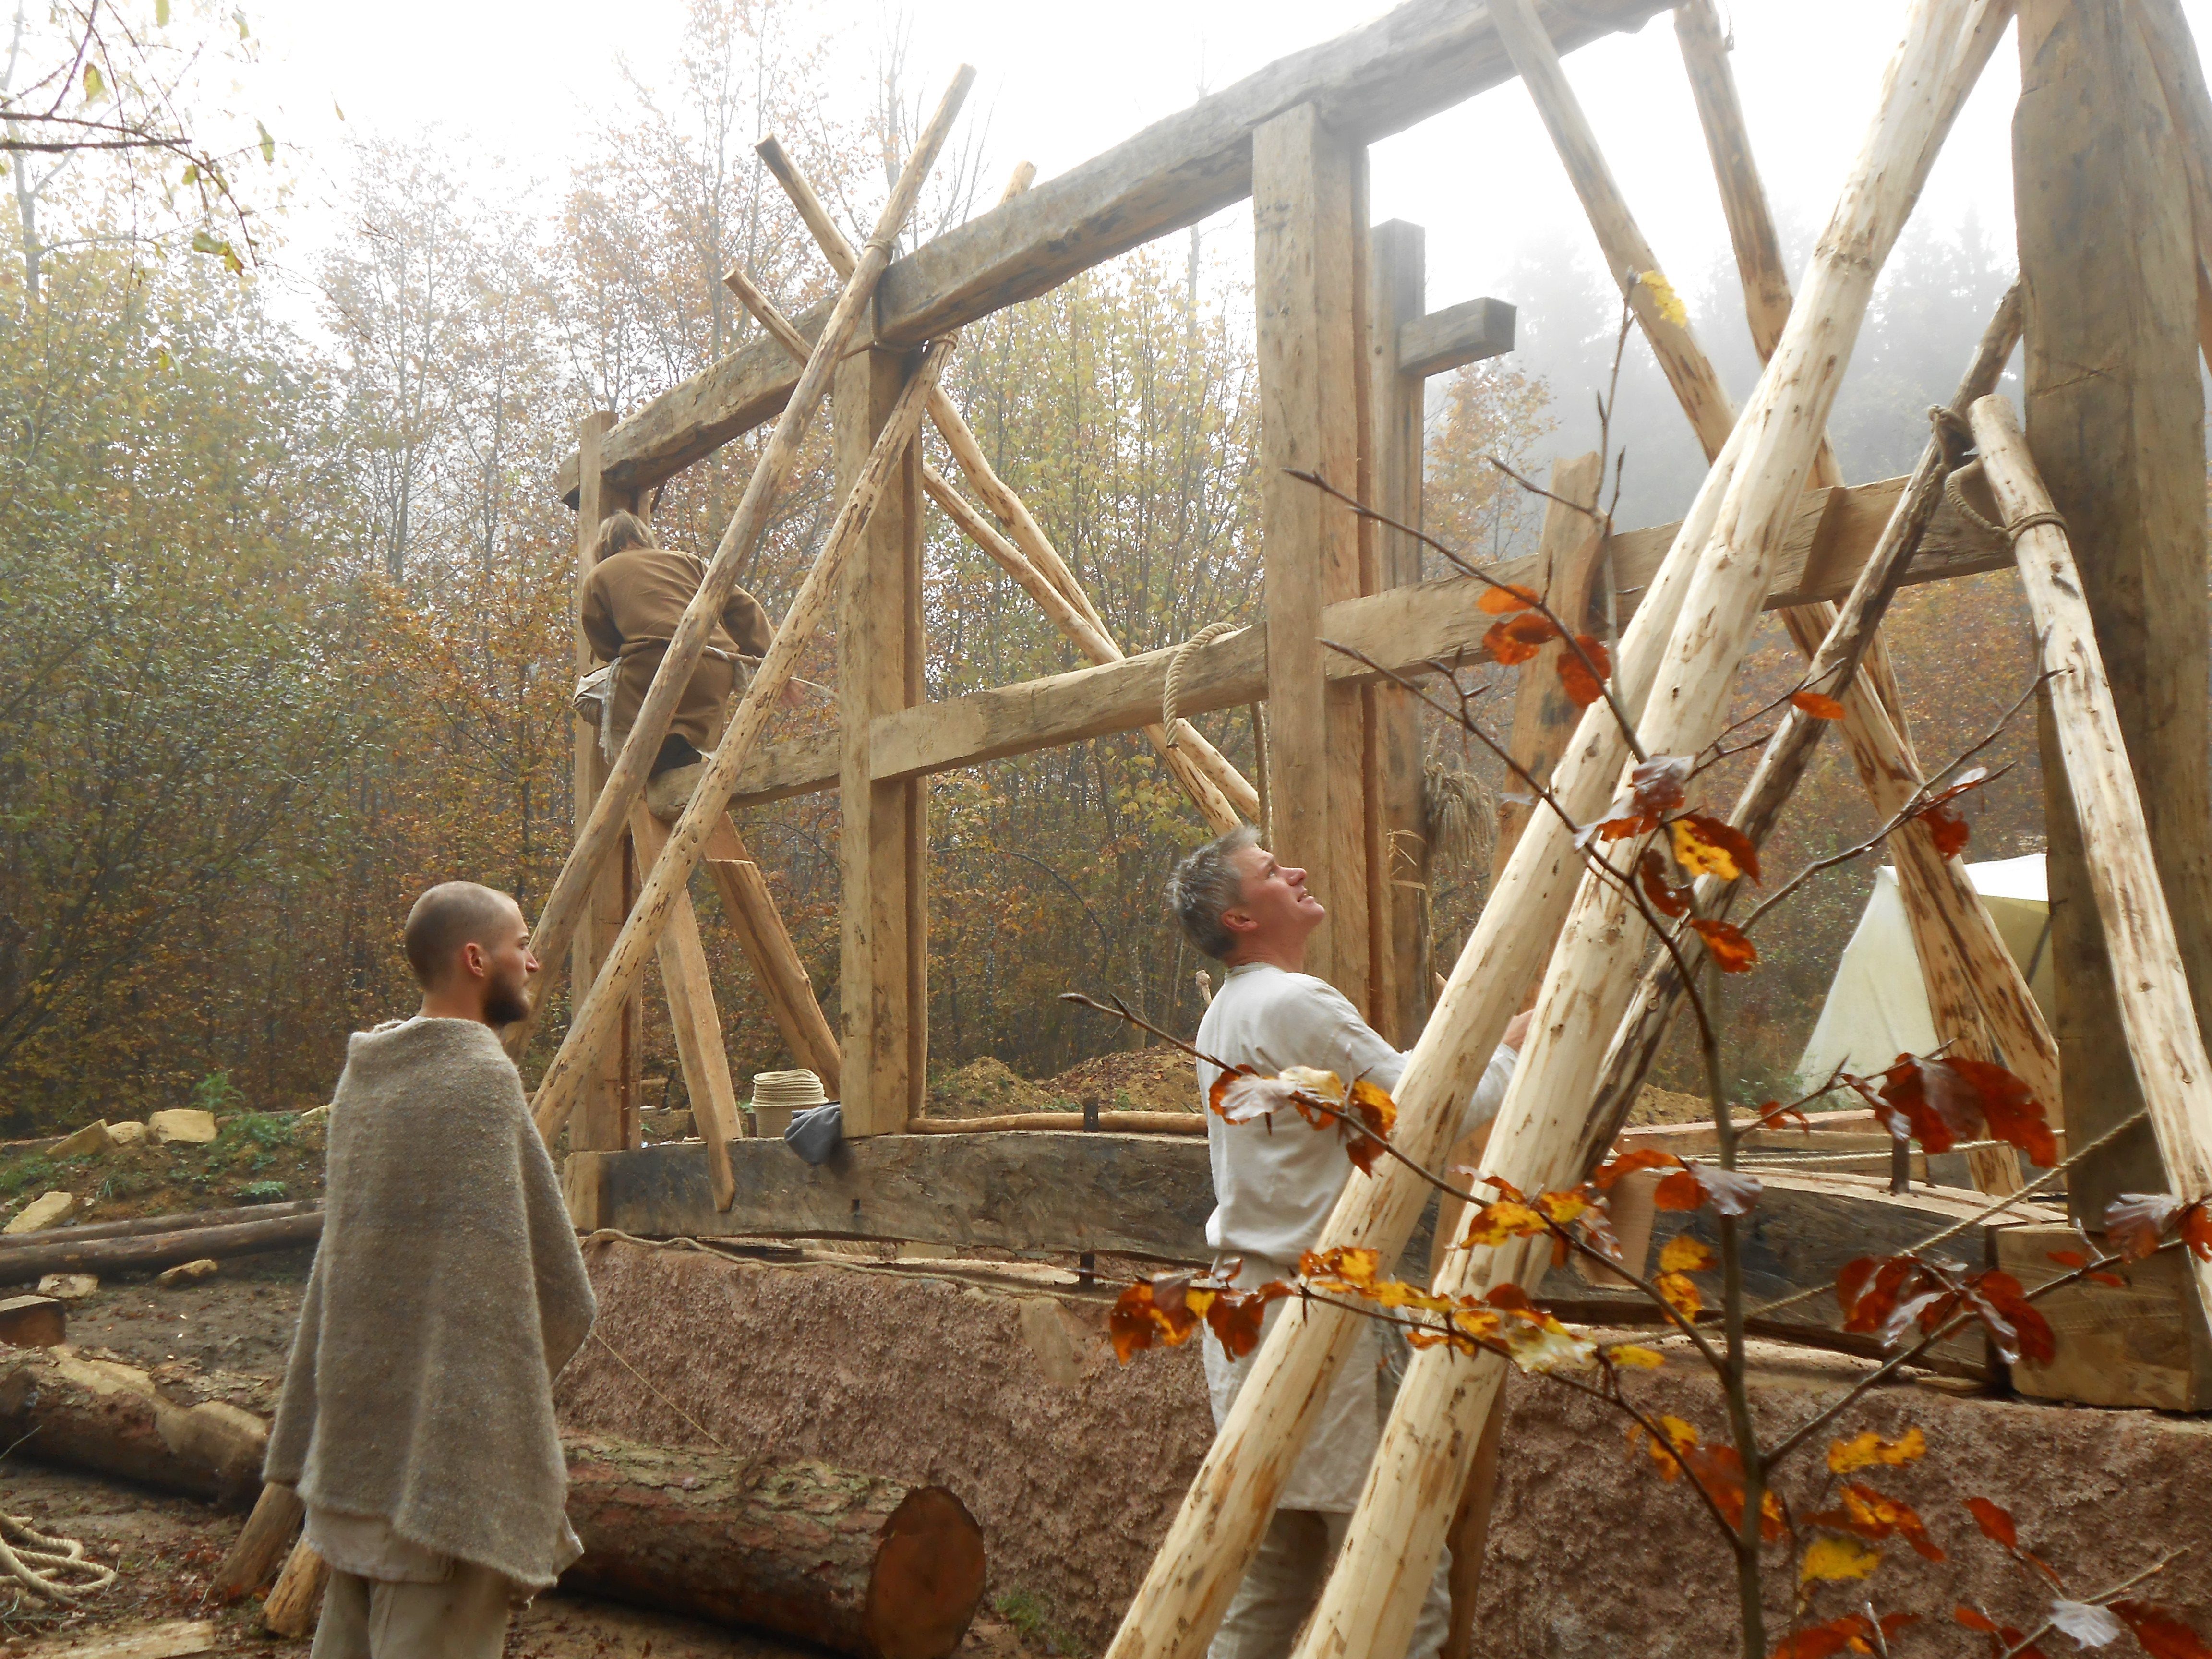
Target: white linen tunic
[{"x": 1275, "y": 1183}]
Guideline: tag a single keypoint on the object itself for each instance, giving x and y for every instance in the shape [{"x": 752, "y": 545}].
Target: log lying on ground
[
  {"x": 64, "y": 1253},
  {"x": 859, "y": 1563},
  {"x": 110, "y": 1418},
  {"x": 139, "y": 1226}
]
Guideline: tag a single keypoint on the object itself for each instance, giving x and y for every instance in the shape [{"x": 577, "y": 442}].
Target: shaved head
[{"x": 451, "y": 914}]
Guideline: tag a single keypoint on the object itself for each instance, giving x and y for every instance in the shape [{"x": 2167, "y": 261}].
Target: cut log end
[{"x": 928, "y": 1580}]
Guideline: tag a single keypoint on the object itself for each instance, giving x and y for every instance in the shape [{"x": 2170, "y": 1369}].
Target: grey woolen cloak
[{"x": 446, "y": 1295}]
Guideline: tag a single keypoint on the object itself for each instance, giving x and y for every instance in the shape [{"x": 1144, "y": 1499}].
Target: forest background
[{"x": 285, "y": 603}]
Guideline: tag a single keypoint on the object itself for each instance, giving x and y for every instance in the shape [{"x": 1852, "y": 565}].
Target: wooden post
[
  {"x": 1568, "y": 555},
  {"x": 2189, "y": 105},
  {"x": 2161, "y": 1034},
  {"x": 1397, "y": 294},
  {"x": 607, "y": 1108},
  {"x": 699, "y": 1042},
  {"x": 1303, "y": 189},
  {"x": 883, "y": 852},
  {"x": 2115, "y": 421}
]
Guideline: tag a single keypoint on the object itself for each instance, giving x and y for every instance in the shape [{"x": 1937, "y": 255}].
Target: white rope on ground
[
  {"x": 1172, "y": 693},
  {"x": 40, "y": 1561}
]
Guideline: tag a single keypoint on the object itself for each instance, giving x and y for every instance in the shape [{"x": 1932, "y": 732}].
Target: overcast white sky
[{"x": 530, "y": 85}]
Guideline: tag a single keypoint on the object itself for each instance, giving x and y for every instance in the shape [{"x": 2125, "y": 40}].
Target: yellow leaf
[
  {"x": 1869, "y": 1448},
  {"x": 1322, "y": 1085},
  {"x": 1682, "y": 1293},
  {"x": 1668, "y": 303},
  {"x": 1831, "y": 1559},
  {"x": 1685, "y": 1254},
  {"x": 1636, "y": 1358},
  {"x": 1496, "y": 1223},
  {"x": 1700, "y": 856}
]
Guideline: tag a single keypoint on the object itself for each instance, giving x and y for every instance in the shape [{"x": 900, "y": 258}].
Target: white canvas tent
[{"x": 1877, "y": 1003}]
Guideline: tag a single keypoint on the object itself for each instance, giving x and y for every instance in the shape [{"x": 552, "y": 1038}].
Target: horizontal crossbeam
[
  {"x": 1454, "y": 337},
  {"x": 1402, "y": 628},
  {"x": 1423, "y": 57}
]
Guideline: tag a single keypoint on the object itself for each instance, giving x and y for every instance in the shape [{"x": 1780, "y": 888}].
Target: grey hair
[{"x": 1207, "y": 883}]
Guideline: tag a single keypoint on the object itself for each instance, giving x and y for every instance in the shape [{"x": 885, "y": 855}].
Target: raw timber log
[
  {"x": 672, "y": 872},
  {"x": 2114, "y": 408},
  {"x": 263, "y": 1545},
  {"x": 1073, "y": 617},
  {"x": 295, "y": 1600},
  {"x": 144, "y": 1253},
  {"x": 2150, "y": 984},
  {"x": 1942, "y": 904},
  {"x": 111, "y": 1418},
  {"x": 859, "y": 1563},
  {"x": 1428, "y": 1446},
  {"x": 1133, "y": 1124},
  {"x": 610, "y": 809},
  {"x": 137, "y": 1226},
  {"x": 1379, "y": 79},
  {"x": 1216, "y": 787}
]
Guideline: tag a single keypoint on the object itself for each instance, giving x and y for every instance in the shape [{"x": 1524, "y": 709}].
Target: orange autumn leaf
[
  {"x": 1519, "y": 638},
  {"x": 1865, "y": 1451},
  {"x": 1997, "y": 1524},
  {"x": 1817, "y": 704},
  {"x": 1505, "y": 598},
  {"x": 1666, "y": 899},
  {"x": 2160, "y": 1631},
  {"x": 1582, "y": 687},
  {"x": 1734, "y": 952},
  {"x": 1707, "y": 846}
]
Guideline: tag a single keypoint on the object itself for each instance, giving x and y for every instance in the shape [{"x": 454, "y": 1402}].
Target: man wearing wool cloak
[{"x": 417, "y": 1417}]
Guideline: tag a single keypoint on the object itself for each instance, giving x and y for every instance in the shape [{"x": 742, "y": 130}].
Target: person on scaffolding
[
  {"x": 635, "y": 595},
  {"x": 1272, "y": 1194}
]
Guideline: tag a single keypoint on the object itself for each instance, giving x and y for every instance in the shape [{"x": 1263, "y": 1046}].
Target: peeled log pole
[
  {"x": 1127, "y": 1123},
  {"x": 2152, "y": 987},
  {"x": 101, "y": 1415},
  {"x": 138, "y": 1226},
  {"x": 65, "y": 1254},
  {"x": 610, "y": 811},
  {"x": 1421, "y": 1466},
  {"x": 295, "y": 1600},
  {"x": 261, "y": 1549},
  {"x": 595, "y": 1021},
  {"x": 859, "y": 1563}
]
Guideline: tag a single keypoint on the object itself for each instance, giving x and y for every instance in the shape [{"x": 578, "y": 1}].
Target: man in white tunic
[{"x": 1274, "y": 1189}]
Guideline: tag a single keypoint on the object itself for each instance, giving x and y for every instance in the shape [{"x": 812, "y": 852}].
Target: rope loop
[
  {"x": 40, "y": 1562},
  {"x": 1173, "y": 690}
]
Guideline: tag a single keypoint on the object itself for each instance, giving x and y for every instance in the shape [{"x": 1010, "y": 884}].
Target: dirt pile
[
  {"x": 1132, "y": 1080},
  {"x": 989, "y": 1088},
  {"x": 256, "y": 1157}
]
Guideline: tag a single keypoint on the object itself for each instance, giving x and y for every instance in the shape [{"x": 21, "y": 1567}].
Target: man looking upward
[
  {"x": 1274, "y": 1191},
  {"x": 417, "y": 1416}
]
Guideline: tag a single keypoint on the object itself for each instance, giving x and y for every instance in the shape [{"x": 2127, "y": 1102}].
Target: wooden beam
[
  {"x": 1302, "y": 211},
  {"x": 1825, "y": 547},
  {"x": 1396, "y": 293},
  {"x": 1451, "y": 338},
  {"x": 2188, "y": 106},
  {"x": 699, "y": 1042},
  {"x": 784, "y": 985},
  {"x": 2160, "y": 1032},
  {"x": 2115, "y": 419},
  {"x": 606, "y": 1112},
  {"x": 1381, "y": 78},
  {"x": 883, "y": 854},
  {"x": 1568, "y": 561}
]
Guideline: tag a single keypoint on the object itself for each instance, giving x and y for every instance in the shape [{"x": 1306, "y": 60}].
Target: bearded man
[
  {"x": 417, "y": 1416},
  {"x": 1274, "y": 1191}
]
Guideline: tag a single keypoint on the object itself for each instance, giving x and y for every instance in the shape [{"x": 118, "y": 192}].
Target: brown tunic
[{"x": 632, "y": 603}]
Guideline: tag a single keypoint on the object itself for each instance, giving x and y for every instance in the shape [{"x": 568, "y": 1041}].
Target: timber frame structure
[
  {"x": 2099, "y": 502},
  {"x": 2113, "y": 188}
]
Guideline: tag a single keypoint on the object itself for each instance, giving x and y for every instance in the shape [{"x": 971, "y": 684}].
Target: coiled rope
[
  {"x": 1173, "y": 690},
  {"x": 40, "y": 1563}
]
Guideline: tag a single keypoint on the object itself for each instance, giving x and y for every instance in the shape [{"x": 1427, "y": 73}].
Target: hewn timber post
[
  {"x": 2115, "y": 421},
  {"x": 1397, "y": 294},
  {"x": 606, "y": 1115},
  {"x": 1303, "y": 192},
  {"x": 883, "y": 852}
]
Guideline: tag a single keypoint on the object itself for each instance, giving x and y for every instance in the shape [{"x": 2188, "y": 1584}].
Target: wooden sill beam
[
  {"x": 1454, "y": 337},
  {"x": 1423, "y": 57},
  {"x": 1828, "y": 542}
]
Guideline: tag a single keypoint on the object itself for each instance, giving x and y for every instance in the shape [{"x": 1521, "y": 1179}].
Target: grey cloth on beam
[{"x": 814, "y": 1133}]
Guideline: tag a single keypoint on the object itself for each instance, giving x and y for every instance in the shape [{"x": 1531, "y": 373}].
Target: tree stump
[{"x": 861, "y": 1564}]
